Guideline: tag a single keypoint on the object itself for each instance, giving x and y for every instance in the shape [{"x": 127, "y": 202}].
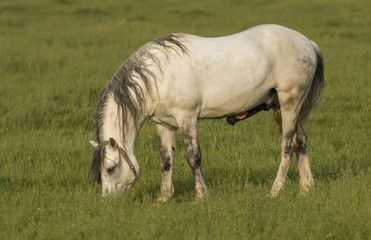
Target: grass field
[{"x": 55, "y": 58}]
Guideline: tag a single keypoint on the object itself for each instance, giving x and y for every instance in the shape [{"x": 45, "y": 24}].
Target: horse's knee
[
  {"x": 166, "y": 162},
  {"x": 193, "y": 151},
  {"x": 194, "y": 158}
]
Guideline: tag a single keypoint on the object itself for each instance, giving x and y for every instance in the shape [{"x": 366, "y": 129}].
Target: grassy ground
[{"x": 56, "y": 56}]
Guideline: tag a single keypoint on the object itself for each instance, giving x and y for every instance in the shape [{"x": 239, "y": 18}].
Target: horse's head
[{"x": 112, "y": 168}]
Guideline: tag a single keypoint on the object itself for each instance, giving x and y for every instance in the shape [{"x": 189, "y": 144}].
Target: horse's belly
[{"x": 230, "y": 102}]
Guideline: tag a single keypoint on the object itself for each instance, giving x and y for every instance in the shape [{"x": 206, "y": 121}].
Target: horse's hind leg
[
  {"x": 290, "y": 108},
  {"x": 167, "y": 142},
  {"x": 306, "y": 178},
  {"x": 190, "y": 138}
]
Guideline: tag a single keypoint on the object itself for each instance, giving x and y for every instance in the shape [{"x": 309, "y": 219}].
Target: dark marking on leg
[
  {"x": 193, "y": 151},
  {"x": 302, "y": 153},
  {"x": 194, "y": 161},
  {"x": 165, "y": 159},
  {"x": 302, "y": 145},
  {"x": 167, "y": 147},
  {"x": 287, "y": 149},
  {"x": 166, "y": 164}
]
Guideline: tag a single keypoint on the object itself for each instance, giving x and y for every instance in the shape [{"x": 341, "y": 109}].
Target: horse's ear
[
  {"x": 112, "y": 142},
  {"x": 94, "y": 144}
]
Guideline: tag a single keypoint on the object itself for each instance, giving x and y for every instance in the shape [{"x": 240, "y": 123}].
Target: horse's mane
[{"x": 126, "y": 91}]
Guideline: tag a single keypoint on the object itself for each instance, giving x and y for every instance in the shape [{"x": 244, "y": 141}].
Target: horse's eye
[{"x": 110, "y": 170}]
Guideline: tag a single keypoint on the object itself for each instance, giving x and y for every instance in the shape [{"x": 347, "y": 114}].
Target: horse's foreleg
[
  {"x": 192, "y": 145},
  {"x": 167, "y": 142},
  {"x": 306, "y": 178}
]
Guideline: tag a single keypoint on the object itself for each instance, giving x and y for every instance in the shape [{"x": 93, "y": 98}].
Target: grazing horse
[{"x": 180, "y": 78}]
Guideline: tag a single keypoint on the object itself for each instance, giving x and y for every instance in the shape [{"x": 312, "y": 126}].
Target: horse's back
[{"x": 268, "y": 36}]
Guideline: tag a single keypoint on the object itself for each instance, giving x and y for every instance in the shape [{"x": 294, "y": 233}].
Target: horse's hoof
[
  {"x": 202, "y": 196},
  {"x": 306, "y": 190},
  {"x": 163, "y": 198},
  {"x": 275, "y": 192}
]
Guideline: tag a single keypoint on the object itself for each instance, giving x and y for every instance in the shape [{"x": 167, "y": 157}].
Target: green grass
[{"x": 56, "y": 56}]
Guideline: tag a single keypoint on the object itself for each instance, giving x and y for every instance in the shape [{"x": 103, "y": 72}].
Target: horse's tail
[{"x": 316, "y": 87}]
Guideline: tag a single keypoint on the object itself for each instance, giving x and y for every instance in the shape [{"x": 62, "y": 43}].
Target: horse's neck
[{"x": 113, "y": 126}]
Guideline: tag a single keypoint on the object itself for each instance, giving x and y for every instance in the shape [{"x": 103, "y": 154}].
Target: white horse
[{"x": 180, "y": 78}]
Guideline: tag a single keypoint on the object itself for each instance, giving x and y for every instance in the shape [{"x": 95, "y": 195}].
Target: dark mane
[
  {"x": 127, "y": 93},
  {"x": 172, "y": 39}
]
